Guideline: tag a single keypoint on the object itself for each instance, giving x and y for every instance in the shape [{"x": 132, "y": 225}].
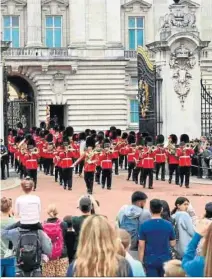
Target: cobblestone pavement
[{"x": 111, "y": 201}]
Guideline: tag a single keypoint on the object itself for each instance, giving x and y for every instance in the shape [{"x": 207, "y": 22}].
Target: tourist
[
  {"x": 7, "y": 258},
  {"x": 174, "y": 268},
  {"x": 131, "y": 216},
  {"x": 136, "y": 266},
  {"x": 28, "y": 205},
  {"x": 70, "y": 238},
  {"x": 184, "y": 224},
  {"x": 58, "y": 260},
  {"x": 199, "y": 266},
  {"x": 156, "y": 236},
  {"x": 97, "y": 252}
]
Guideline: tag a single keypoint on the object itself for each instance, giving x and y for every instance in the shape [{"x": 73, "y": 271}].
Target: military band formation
[{"x": 59, "y": 152}]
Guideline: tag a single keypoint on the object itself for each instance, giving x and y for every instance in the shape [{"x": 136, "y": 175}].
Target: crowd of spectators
[{"x": 139, "y": 242}]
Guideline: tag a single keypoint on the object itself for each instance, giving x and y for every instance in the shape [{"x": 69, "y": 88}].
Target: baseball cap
[
  {"x": 208, "y": 207},
  {"x": 85, "y": 204}
]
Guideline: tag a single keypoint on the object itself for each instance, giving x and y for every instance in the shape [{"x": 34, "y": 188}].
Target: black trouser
[
  {"x": 123, "y": 160},
  {"x": 3, "y": 169},
  {"x": 98, "y": 174},
  {"x": 200, "y": 170},
  {"x": 194, "y": 168},
  {"x": 162, "y": 166},
  {"x": 89, "y": 180},
  {"x": 44, "y": 163},
  {"x": 41, "y": 163},
  {"x": 138, "y": 170},
  {"x": 77, "y": 166},
  {"x": 58, "y": 172},
  {"x": 16, "y": 165},
  {"x": 116, "y": 162},
  {"x": 49, "y": 166},
  {"x": 148, "y": 172},
  {"x": 174, "y": 168},
  {"x": 11, "y": 159},
  {"x": 81, "y": 165},
  {"x": 67, "y": 177},
  {"x": 107, "y": 175},
  {"x": 33, "y": 175},
  {"x": 184, "y": 171},
  {"x": 131, "y": 166},
  {"x": 21, "y": 170}
]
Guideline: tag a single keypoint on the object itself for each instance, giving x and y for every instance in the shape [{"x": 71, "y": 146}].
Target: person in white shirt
[{"x": 28, "y": 205}]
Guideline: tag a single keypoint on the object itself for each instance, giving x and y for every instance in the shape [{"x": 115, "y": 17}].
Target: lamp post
[{"x": 3, "y": 94}]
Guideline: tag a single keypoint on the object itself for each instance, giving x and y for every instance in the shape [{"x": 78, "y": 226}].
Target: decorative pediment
[
  {"x": 190, "y": 4},
  {"x": 15, "y": 2},
  {"x": 58, "y": 2},
  {"x": 143, "y": 5}
]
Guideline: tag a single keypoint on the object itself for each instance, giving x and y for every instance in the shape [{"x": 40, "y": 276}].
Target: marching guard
[
  {"x": 172, "y": 158},
  {"x": 160, "y": 157},
  {"x": 106, "y": 158},
  {"x": 148, "y": 162}
]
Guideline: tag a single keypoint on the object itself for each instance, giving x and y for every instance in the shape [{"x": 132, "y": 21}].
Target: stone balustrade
[{"x": 130, "y": 54}]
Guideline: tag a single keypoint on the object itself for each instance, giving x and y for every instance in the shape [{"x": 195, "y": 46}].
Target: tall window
[
  {"x": 53, "y": 31},
  {"x": 134, "y": 111},
  {"x": 135, "y": 32},
  {"x": 11, "y": 30}
]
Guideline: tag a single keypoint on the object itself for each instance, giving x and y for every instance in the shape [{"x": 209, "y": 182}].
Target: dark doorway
[{"x": 57, "y": 114}]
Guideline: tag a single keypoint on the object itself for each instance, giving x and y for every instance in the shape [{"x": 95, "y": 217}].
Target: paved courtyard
[{"x": 110, "y": 201}]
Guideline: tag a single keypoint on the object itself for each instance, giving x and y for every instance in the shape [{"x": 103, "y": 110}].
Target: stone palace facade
[{"x": 81, "y": 54}]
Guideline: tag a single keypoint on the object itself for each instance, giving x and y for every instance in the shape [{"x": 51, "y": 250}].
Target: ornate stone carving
[
  {"x": 181, "y": 61},
  {"x": 58, "y": 86},
  {"x": 179, "y": 19}
]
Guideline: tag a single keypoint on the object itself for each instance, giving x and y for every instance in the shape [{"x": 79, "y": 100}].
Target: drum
[
  {"x": 31, "y": 164},
  {"x": 184, "y": 161},
  {"x": 106, "y": 164},
  {"x": 66, "y": 163}
]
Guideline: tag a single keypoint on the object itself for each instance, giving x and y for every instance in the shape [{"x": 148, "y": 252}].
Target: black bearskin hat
[
  {"x": 56, "y": 128},
  {"x": 90, "y": 141},
  {"x": 28, "y": 137},
  {"x": 118, "y": 131},
  {"x": 20, "y": 125},
  {"x": 106, "y": 140},
  {"x": 34, "y": 129},
  {"x": 112, "y": 128},
  {"x": 87, "y": 132},
  {"x": 46, "y": 132},
  {"x": 132, "y": 133},
  {"x": 145, "y": 135},
  {"x": 148, "y": 140},
  {"x": 93, "y": 132},
  {"x": 160, "y": 139},
  {"x": 18, "y": 139},
  {"x": 69, "y": 131},
  {"x": 66, "y": 140},
  {"x": 43, "y": 125},
  {"x": 184, "y": 138},
  {"x": 31, "y": 143},
  {"x": 101, "y": 133},
  {"x": 124, "y": 135},
  {"x": 100, "y": 137},
  {"x": 51, "y": 124},
  {"x": 173, "y": 139},
  {"x": 131, "y": 139},
  {"x": 113, "y": 135},
  {"x": 37, "y": 131},
  {"x": 49, "y": 138},
  {"x": 82, "y": 136}
]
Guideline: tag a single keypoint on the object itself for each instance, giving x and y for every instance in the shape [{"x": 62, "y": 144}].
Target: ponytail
[{"x": 174, "y": 210}]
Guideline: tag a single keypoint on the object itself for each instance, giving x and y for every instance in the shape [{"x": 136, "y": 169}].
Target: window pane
[
  {"x": 136, "y": 117},
  {"x": 57, "y": 21},
  {"x": 6, "y": 21},
  {"x": 140, "y": 37},
  {"x": 140, "y": 22},
  {"x": 57, "y": 37},
  {"x": 15, "y": 21},
  {"x": 131, "y": 105},
  {"x": 15, "y": 37},
  {"x": 131, "y": 22},
  {"x": 49, "y": 21},
  {"x": 7, "y": 34},
  {"x": 49, "y": 37},
  {"x": 132, "y": 39}
]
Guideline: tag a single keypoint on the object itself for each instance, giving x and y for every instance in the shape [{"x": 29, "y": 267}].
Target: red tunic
[
  {"x": 148, "y": 161},
  {"x": 185, "y": 157},
  {"x": 160, "y": 155}
]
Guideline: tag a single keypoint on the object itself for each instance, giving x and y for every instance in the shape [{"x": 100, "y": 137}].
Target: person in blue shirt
[
  {"x": 199, "y": 266},
  {"x": 155, "y": 238}
]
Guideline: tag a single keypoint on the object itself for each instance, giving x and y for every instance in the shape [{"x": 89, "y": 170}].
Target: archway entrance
[{"x": 21, "y": 103}]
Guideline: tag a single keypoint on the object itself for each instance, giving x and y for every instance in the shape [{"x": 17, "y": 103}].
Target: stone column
[
  {"x": 34, "y": 23},
  {"x": 1, "y": 102},
  {"x": 77, "y": 10},
  {"x": 113, "y": 16}
]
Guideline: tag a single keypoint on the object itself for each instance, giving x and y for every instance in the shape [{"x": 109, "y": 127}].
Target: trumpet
[{"x": 35, "y": 150}]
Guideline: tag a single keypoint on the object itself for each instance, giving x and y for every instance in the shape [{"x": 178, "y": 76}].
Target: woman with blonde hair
[
  {"x": 199, "y": 266},
  {"x": 58, "y": 260},
  {"x": 98, "y": 251}
]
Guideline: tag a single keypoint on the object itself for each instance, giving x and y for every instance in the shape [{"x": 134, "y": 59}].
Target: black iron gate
[
  {"x": 206, "y": 110},
  {"x": 149, "y": 95},
  {"x": 20, "y": 111}
]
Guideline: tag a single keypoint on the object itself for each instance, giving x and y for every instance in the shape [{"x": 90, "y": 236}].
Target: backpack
[
  {"x": 132, "y": 227},
  {"x": 28, "y": 252},
  {"x": 54, "y": 232}
]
